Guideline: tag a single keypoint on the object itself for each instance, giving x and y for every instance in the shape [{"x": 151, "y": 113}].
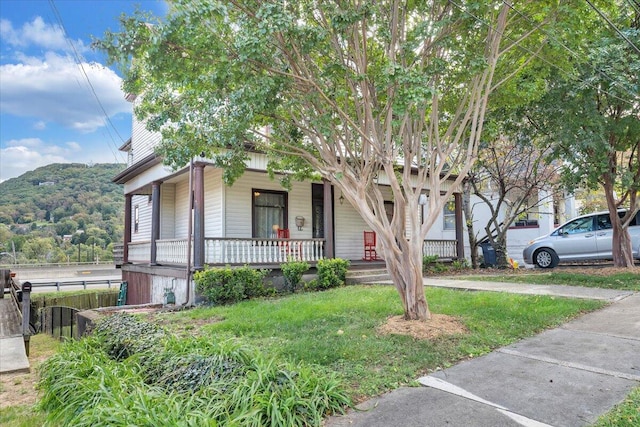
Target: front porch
[{"x": 251, "y": 251}]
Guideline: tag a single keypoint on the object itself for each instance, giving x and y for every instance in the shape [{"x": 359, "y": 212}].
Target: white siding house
[{"x": 165, "y": 240}]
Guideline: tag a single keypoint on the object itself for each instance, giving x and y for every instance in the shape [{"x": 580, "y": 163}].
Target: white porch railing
[
  {"x": 241, "y": 251},
  {"x": 442, "y": 248},
  {"x": 262, "y": 251},
  {"x": 139, "y": 252},
  {"x": 172, "y": 251}
]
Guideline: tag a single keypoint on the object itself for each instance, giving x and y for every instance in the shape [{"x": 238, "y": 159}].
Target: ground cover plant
[
  {"x": 337, "y": 329},
  {"x": 595, "y": 277},
  {"x": 131, "y": 372}
]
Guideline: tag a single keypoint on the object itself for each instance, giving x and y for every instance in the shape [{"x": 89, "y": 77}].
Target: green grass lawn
[
  {"x": 623, "y": 281},
  {"x": 337, "y": 330}
]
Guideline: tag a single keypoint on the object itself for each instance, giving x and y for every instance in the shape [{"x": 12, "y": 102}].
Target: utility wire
[
  {"x": 564, "y": 46},
  {"x": 480, "y": 20},
  {"x": 635, "y": 5},
  {"x": 612, "y": 25},
  {"x": 79, "y": 62}
]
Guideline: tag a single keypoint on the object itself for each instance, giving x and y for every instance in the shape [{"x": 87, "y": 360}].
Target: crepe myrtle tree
[
  {"x": 343, "y": 90},
  {"x": 512, "y": 177}
]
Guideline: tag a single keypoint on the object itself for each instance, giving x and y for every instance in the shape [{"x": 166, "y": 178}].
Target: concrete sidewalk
[{"x": 566, "y": 376}]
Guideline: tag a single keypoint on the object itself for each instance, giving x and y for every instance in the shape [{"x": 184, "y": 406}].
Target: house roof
[
  {"x": 137, "y": 168},
  {"x": 126, "y": 146}
]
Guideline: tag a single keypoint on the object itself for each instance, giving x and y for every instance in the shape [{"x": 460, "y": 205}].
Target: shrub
[
  {"x": 230, "y": 285},
  {"x": 292, "y": 272},
  {"x": 430, "y": 264},
  {"x": 180, "y": 382},
  {"x": 331, "y": 273},
  {"x": 460, "y": 264}
]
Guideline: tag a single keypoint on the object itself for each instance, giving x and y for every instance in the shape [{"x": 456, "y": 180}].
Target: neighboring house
[
  {"x": 549, "y": 213},
  {"x": 236, "y": 224}
]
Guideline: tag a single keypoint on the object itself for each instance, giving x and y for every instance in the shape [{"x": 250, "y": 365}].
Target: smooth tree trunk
[
  {"x": 620, "y": 240},
  {"x": 468, "y": 217},
  {"x": 621, "y": 246},
  {"x": 404, "y": 264}
]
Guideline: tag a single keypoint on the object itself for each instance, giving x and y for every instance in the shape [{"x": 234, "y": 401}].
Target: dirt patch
[
  {"x": 19, "y": 389},
  {"x": 438, "y": 325},
  {"x": 591, "y": 270}
]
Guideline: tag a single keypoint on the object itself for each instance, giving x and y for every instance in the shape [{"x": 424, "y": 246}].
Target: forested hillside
[{"x": 61, "y": 212}]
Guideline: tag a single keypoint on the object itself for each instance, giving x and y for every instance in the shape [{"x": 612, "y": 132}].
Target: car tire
[{"x": 546, "y": 258}]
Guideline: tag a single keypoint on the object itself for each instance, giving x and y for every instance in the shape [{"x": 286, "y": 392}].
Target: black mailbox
[{"x": 26, "y": 287}]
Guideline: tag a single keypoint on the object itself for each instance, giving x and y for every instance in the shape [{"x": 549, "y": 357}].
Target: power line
[
  {"x": 612, "y": 25},
  {"x": 635, "y": 5},
  {"x": 79, "y": 62},
  {"x": 538, "y": 56},
  {"x": 575, "y": 54}
]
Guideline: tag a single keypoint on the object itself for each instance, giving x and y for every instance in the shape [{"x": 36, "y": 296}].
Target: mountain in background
[{"x": 59, "y": 207}]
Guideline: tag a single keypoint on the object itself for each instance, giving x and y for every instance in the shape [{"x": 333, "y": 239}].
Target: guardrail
[{"x": 84, "y": 283}]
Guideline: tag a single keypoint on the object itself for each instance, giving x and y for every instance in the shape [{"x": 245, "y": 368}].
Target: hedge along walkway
[{"x": 565, "y": 376}]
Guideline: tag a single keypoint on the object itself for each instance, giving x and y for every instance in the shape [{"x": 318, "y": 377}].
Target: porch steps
[{"x": 366, "y": 275}]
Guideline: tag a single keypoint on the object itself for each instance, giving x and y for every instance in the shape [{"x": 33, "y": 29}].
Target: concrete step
[{"x": 372, "y": 275}]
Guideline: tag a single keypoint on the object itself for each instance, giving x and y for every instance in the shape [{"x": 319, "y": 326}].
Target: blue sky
[{"x": 48, "y": 73}]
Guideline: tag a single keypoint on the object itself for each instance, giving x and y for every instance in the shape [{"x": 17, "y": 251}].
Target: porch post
[
  {"x": 457, "y": 198},
  {"x": 329, "y": 244},
  {"x": 127, "y": 228},
  {"x": 198, "y": 216},
  {"x": 155, "y": 220}
]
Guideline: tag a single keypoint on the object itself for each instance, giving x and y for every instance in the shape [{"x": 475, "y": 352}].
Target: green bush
[
  {"x": 292, "y": 272},
  {"x": 332, "y": 273},
  {"x": 179, "y": 382},
  {"x": 430, "y": 264},
  {"x": 230, "y": 285},
  {"x": 460, "y": 264}
]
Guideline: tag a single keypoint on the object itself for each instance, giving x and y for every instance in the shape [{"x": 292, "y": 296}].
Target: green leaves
[{"x": 179, "y": 382}]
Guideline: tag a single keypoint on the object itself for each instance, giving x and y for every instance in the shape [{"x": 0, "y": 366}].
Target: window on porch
[
  {"x": 449, "y": 215},
  {"x": 269, "y": 210},
  {"x": 136, "y": 218}
]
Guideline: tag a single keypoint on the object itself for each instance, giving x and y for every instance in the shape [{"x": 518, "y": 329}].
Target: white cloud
[
  {"x": 55, "y": 90},
  {"x": 25, "y": 155},
  {"x": 40, "y": 34}
]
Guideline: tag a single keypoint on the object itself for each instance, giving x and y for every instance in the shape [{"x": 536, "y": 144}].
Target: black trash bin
[{"x": 489, "y": 254}]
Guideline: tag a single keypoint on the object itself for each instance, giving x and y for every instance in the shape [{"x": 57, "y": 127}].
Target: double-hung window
[{"x": 269, "y": 212}]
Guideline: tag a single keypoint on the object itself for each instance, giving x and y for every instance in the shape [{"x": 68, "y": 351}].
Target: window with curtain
[
  {"x": 449, "y": 216},
  {"x": 269, "y": 211}
]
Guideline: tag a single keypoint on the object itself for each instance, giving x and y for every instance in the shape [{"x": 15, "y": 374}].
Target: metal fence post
[{"x": 26, "y": 314}]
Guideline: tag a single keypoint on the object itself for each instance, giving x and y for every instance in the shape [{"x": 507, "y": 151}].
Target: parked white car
[{"x": 585, "y": 238}]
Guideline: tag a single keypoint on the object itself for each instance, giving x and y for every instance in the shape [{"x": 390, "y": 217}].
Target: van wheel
[{"x": 546, "y": 258}]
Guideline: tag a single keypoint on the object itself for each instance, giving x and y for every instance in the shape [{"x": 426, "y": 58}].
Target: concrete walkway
[
  {"x": 566, "y": 376},
  {"x": 13, "y": 357}
]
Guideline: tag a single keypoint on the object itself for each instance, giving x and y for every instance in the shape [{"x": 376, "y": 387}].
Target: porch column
[
  {"x": 127, "y": 228},
  {"x": 457, "y": 198},
  {"x": 155, "y": 220},
  {"x": 329, "y": 244},
  {"x": 198, "y": 216}
]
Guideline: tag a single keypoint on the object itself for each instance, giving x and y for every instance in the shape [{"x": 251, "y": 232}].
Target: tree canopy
[{"x": 357, "y": 93}]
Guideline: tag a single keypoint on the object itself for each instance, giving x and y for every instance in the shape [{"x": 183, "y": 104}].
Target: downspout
[{"x": 190, "y": 293}]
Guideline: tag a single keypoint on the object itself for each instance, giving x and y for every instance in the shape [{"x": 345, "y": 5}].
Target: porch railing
[
  {"x": 242, "y": 251},
  {"x": 220, "y": 250},
  {"x": 441, "y": 248},
  {"x": 139, "y": 252},
  {"x": 262, "y": 251}
]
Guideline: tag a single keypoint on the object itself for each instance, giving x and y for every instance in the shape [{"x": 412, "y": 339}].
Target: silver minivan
[{"x": 585, "y": 238}]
